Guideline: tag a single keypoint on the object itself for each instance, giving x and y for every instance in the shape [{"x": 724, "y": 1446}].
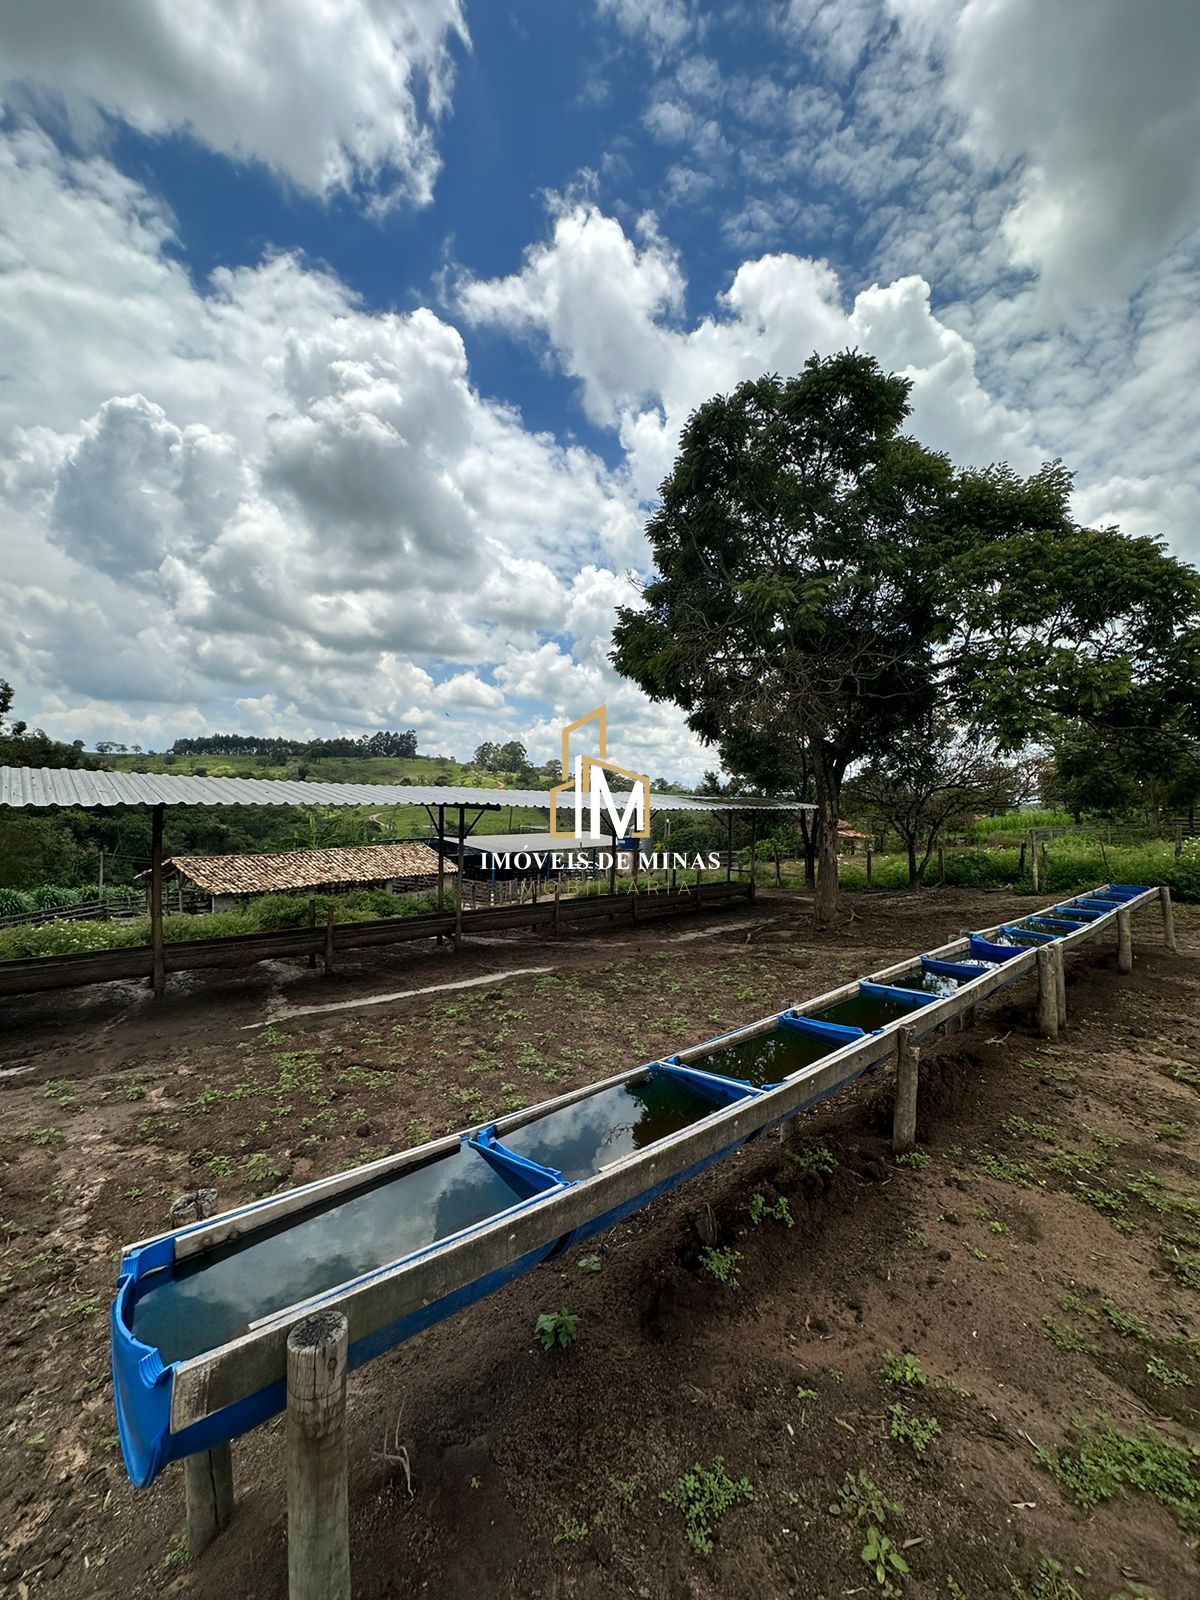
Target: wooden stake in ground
[
  {"x": 461, "y": 879},
  {"x": 312, "y": 925},
  {"x": 158, "y": 965},
  {"x": 329, "y": 937},
  {"x": 904, "y": 1118},
  {"x": 1047, "y": 992},
  {"x": 1168, "y": 916},
  {"x": 1124, "y": 940},
  {"x": 317, "y": 1467},
  {"x": 1033, "y": 860},
  {"x": 208, "y": 1491}
]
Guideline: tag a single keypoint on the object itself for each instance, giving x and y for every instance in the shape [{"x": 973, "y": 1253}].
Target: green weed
[
  {"x": 704, "y": 1495},
  {"x": 556, "y": 1330},
  {"x": 903, "y": 1371},
  {"x": 917, "y": 1432},
  {"x": 725, "y": 1265},
  {"x": 1102, "y": 1461}
]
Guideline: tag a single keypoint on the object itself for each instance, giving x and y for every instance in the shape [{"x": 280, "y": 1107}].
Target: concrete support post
[
  {"x": 208, "y": 1493},
  {"x": 1047, "y": 993},
  {"x": 1124, "y": 940},
  {"x": 317, "y": 1464},
  {"x": 904, "y": 1119},
  {"x": 1168, "y": 916},
  {"x": 1060, "y": 983}
]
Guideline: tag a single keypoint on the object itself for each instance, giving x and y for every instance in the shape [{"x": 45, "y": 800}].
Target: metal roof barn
[{"x": 48, "y": 787}]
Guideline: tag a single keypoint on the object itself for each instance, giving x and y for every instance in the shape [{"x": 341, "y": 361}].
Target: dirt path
[{"x": 1042, "y": 1263}]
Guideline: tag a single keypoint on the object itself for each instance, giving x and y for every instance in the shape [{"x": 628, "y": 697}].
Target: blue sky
[{"x": 344, "y": 349}]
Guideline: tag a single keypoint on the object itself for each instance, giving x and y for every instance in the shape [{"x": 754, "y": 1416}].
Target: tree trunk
[
  {"x": 807, "y": 835},
  {"x": 913, "y": 876},
  {"x": 826, "y": 901}
]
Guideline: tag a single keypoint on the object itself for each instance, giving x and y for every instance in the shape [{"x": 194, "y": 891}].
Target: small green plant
[
  {"x": 759, "y": 1211},
  {"x": 999, "y": 1228},
  {"x": 918, "y": 1160},
  {"x": 916, "y": 1239},
  {"x": 570, "y": 1531},
  {"x": 1051, "y": 1583},
  {"x": 805, "y": 1394},
  {"x": 862, "y": 1500},
  {"x": 1019, "y": 1128},
  {"x": 1169, "y": 1377},
  {"x": 557, "y": 1330},
  {"x": 1004, "y": 1170},
  {"x": 1170, "y": 1130},
  {"x": 1124, "y": 1322},
  {"x": 177, "y": 1554},
  {"x": 589, "y": 1263},
  {"x": 704, "y": 1495},
  {"x": 902, "y": 1372},
  {"x": 816, "y": 1159},
  {"x": 917, "y": 1432},
  {"x": 883, "y": 1559},
  {"x": 1102, "y": 1461},
  {"x": 1066, "y": 1339},
  {"x": 725, "y": 1265}
]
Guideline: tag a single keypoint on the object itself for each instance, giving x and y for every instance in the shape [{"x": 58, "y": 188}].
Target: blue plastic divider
[
  {"x": 839, "y": 1031},
  {"x": 912, "y": 998},
  {"x": 963, "y": 970},
  {"x": 1014, "y": 928},
  {"x": 986, "y": 951}
]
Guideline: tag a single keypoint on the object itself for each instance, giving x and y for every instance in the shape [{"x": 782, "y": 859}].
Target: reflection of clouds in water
[
  {"x": 592, "y": 1133},
  {"x": 209, "y": 1306}
]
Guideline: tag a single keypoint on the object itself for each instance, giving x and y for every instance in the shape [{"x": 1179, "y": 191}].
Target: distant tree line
[{"x": 384, "y": 743}]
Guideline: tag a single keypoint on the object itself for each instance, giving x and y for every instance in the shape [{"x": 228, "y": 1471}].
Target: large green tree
[{"x": 824, "y": 582}]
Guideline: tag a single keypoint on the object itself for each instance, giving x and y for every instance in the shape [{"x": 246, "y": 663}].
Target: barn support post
[
  {"x": 612, "y": 869},
  {"x": 557, "y": 893},
  {"x": 329, "y": 937},
  {"x": 208, "y": 1495},
  {"x": 158, "y": 961},
  {"x": 869, "y": 864},
  {"x": 458, "y": 898},
  {"x": 312, "y": 923},
  {"x": 904, "y": 1117},
  {"x": 441, "y": 828},
  {"x": 729, "y": 849},
  {"x": 1124, "y": 940},
  {"x": 1168, "y": 916},
  {"x": 753, "y": 855},
  {"x": 318, "y": 1520},
  {"x": 1047, "y": 1014}
]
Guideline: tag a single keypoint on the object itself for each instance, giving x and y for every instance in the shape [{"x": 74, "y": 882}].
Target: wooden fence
[{"x": 35, "y": 973}]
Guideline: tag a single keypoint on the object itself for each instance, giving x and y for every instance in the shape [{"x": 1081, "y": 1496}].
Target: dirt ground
[{"x": 1038, "y": 1261}]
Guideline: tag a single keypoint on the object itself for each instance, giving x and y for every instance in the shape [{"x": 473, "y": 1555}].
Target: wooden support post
[
  {"x": 1033, "y": 859},
  {"x": 329, "y": 938},
  {"x": 869, "y": 866},
  {"x": 698, "y": 883},
  {"x": 458, "y": 897},
  {"x": 968, "y": 1018},
  {"x": 1178, "y": 845},
  {"x": 1124, "y": 940},
  {"x": 557, "y": 892},
  {"x": 904, "y": 1118},
  {"x": 1047, "y": 1014},
  {"x": 1060, "y": 983},
  {"x": 753, "y": 856},
  {"x": 941, "y": 867},
  {"x": 312, "y": 923},
  {"x": 317, "y": 1464},
  {"x": 441, "y": 887},
  {"x": 158, "y": 961},
  {"x": 1168, "y": 916},
  {"x": 729, "y": 850},
  {"x": 208, "y": 1493},
  {"x": 612, "y": 868}
]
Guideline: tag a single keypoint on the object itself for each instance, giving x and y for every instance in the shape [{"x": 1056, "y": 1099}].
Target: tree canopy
[{"x": 825, "y": 583}]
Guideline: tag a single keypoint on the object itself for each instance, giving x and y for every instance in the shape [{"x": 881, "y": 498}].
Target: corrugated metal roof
[
  {"x": 307, "y": 869},
  {"x": 47, "y": 787}
]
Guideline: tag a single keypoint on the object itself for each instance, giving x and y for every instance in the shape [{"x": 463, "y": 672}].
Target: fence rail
[{"x": 33, "y": 974}]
